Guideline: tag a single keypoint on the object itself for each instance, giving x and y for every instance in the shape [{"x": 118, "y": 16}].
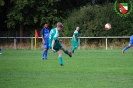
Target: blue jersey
[
  {"x": 131, "y": 38},
  {"x": 45, "y": 33}
]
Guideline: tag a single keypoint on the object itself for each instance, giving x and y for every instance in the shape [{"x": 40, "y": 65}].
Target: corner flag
[
  {"x": 36, "y": 36},
  {"x": 36, "y": 33}
]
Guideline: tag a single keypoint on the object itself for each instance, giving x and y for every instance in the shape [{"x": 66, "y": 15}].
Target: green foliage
[
  {"x": 92, "y": 19},
  {"x": 31, "y": 12},
  {"x": 2, "y": 3}
]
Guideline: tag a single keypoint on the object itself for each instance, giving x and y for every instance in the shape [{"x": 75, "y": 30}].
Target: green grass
[{"x": 86, "y": 69}]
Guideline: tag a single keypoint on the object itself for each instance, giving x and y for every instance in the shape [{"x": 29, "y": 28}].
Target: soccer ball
[{"x": 107, "y": 26}]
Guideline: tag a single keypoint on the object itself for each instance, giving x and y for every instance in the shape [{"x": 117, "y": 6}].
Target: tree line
[{"x": 23, "y": 16}]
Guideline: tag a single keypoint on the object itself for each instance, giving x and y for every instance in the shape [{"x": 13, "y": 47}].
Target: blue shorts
[{"x": 46, "y": 45}]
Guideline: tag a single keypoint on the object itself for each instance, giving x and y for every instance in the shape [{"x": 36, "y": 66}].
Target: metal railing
[{"x": 32, "y": 39}]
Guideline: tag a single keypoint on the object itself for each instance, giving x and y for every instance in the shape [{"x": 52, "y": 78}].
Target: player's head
[
  {"x": 59, "y": 26},
  {"x": 45, "y": 25},
  {"x": 77, "y": 28}
]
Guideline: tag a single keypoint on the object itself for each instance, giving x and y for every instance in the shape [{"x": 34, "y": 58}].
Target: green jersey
[
  {"x": 76, "y": 35},
  {"x": 53, "y": 36}
]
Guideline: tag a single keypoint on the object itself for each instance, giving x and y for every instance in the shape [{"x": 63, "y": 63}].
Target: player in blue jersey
[
  {"x": 129, "y": 45},
  {"x": 45, "y": 39}
]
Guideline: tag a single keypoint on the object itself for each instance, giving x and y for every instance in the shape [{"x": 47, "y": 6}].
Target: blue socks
[
  {"x": 127, "y": 47},
  {"x": 60, "y": 60},
  {"x": 44, "y": 54}
]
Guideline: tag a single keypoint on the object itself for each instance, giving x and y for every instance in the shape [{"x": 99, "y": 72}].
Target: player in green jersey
[
  {"x": 54, "y": 43},
  {"x": 74, "y": 40}
]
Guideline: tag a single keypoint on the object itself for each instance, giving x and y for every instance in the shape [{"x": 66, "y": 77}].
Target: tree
[
  {"x": 25, "y": 15},
  {"x": 30, "y": 12},
  {"x": 92, "y": 19},
  {"x": 3, "y": 10},
  {"x": 2, "y": 3}
]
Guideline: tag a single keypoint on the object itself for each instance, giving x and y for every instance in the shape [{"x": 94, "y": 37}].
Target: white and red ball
[{"x": 107, "y": 26}]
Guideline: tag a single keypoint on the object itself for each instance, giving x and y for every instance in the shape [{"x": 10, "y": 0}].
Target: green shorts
[
  {"x": 57, "y": 46},
  {"x": 75, "y": 44}
]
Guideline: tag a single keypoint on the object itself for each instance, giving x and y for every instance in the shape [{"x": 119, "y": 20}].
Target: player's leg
[
  {"x": 47, "y": 51},
  {"x": 59, "y": 46},
  {"x": 66, "y": 51},
  {"x": 74, "y": 46},
  {"x": 60, "y": 58},
  {"x": 127, "y": 47},
  {"x": 44, "y": 52}
]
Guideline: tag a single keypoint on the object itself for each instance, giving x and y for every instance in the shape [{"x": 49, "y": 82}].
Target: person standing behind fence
[
  {"x": 129, "y": 45},
  {"x": 45, "y": 40},
  {"x": 74, "y": 40}
]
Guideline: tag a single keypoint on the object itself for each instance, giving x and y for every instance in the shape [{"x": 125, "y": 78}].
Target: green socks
[
  {"x": 67, "y": 52},
  {"x": 73, "y": 49},
  {"x": 60, "y": 60}
]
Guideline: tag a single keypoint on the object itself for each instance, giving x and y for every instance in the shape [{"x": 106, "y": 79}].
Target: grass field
[{"x": 86, "y": 69}]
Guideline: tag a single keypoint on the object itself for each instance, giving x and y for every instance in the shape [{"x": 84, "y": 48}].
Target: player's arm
[
  {"x": 60, "y": 40},
  {"x": 43, "y": 41},
  {"x": 42, "y": 38},
  {"x": 53, "y": 42},
  {"x": 74, "y": 37}
]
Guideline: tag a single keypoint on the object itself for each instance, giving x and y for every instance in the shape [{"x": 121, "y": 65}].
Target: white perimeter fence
[{"x": 32, "y": 39}]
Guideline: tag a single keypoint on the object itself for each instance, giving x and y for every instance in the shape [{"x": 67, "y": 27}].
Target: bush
[{"x": 92, "y": 19}]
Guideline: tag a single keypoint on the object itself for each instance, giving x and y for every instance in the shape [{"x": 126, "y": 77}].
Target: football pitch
[{"x": 86, "y": 69}]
